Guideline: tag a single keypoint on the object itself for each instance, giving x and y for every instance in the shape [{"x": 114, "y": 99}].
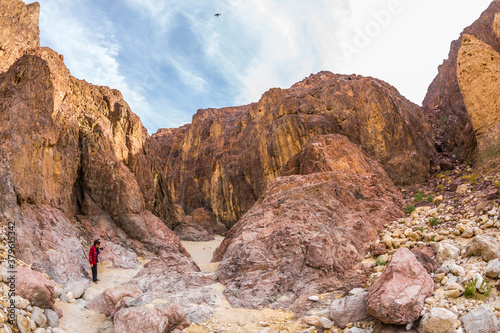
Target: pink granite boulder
[
  {"x": 35, "y": 287},
  {"x": 398, "y": 295}
]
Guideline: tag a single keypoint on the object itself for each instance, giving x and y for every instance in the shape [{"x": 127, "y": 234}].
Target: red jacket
[{"x": 93, "y": 255}]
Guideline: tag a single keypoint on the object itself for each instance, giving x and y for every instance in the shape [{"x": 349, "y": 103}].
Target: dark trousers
[{"x": 94, "y": 273}]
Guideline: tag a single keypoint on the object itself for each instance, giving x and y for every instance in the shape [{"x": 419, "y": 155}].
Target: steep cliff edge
[
  {"x": 76, "y": 164},
  {"x": 224, "y": 160}
]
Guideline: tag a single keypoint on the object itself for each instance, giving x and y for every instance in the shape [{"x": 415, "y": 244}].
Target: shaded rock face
[
  {"x": 449, "y": 104},
  {"x": 308, "y": 233},
  {"x": 75, "y": 163},
  {"x": 224, "y": 160}
]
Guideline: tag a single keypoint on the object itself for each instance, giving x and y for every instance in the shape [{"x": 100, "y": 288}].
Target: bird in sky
[{"x": 217, "y": 14}]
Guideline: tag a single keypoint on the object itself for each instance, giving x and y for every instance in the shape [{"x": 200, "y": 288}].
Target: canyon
[{"x": 303, "y": 184}]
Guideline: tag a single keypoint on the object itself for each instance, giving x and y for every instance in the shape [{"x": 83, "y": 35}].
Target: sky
[{"x": 170, "y": 58}]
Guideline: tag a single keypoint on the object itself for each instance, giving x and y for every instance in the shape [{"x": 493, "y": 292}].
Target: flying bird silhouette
[{"x": 217, "y": 14}]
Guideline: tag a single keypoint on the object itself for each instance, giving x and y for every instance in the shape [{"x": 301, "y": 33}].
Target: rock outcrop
[
  {"x": 455, "y": 97},
  {"x": 19, "y": 30},
  {"x": 308, "y": 233},
  {"x": 224, "y": 160},
  {"x": 75, "y": 163}
]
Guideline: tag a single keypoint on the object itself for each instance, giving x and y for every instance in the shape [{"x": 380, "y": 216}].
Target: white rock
[
  {"x": 445, "y": 251},
  {"x": 493, "y": 269},
  {"x": 313, "y": 298},
  {"x": 77, "y": 288},
  {"x": 480, "y": 320},
  {"x": 457, "y": 270},
  {"x": 38, "y": 317},
  {"x": 356, "y": 291}
]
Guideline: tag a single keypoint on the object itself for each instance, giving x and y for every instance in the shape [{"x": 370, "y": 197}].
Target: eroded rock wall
[
  {"x": 224, "y": 160},
  {"x": 448, "y": 104},
  {"x": 76, "y": 163}
]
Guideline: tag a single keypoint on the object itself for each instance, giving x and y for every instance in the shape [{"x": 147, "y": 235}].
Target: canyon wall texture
[
  {"x": 76, "y": 163},
  {"x": 225, "y": 159},
  {"x": 455, "y": 97}
]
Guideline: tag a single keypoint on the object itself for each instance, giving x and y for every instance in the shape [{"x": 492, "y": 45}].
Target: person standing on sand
[{"x": 94, "y": 259}]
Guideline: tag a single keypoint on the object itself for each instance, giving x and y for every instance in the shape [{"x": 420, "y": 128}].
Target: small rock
[
  {"x": 314, "y": 298},
  {"x": 438, "y": 320},
  {"x": 468, "y": 233},
  {"x": 52, "y": 318},
  {"x": 493, "y": 269},
  {"x": 38, "y": 317},
  {"x": 462, "y": 189},
  {"x": 480, "y": 320}
]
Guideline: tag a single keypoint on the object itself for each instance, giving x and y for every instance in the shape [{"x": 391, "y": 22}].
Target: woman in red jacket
[{"x": 94, "y": 259}]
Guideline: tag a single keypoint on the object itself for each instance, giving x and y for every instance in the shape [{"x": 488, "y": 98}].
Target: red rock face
[
  {"x": 224, "y": 160},
  {"x": 75, "y": 163},
  {"x": 308, "y": 233},
  {"x": 444, "y": 104}
]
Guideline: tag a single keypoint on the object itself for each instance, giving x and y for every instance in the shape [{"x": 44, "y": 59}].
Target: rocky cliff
[
  {"x": 457, "y": 104},
  {"x": 225, "y": 159},
  {"x": 76, "y": 163},
  {"x": 310, "y": 231}
]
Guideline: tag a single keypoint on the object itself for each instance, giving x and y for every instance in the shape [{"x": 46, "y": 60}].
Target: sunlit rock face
[
  {"x": 225, "y": 159},
  {"x": 19, "y": 30},
  {"x": 457, "y": 105},
  {"x": 75, "y": 163}
]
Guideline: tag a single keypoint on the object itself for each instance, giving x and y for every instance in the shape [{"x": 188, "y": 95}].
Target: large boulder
[
  {"x": 398, "y": 295},
  {"x": 106, "y": 301},
  {"x": 34, "y": 287},
  {"x": 438, "y": 320},
  {"x": 308, "y": 233},
  {"x": 150, "y": 320},
  {"x": 350, "y": 309}
]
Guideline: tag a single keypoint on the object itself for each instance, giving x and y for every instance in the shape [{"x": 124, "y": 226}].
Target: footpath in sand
[
  {"x": 77, "y": 319},
  {"x": 227, "y": 318}
]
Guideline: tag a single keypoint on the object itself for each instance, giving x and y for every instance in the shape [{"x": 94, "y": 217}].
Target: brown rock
[
  {"x": 34, "y": 287},
  {"x": 81, "y": 155},
  {"x": 444, "y": 104},
  {"x": 308, "y": 233},
  {"x": 150, "y": 320},
  {"x": 426, "y": 257},
  {"x": 379, "y": 250},
  {"x": 486, "y": 247},
  {"x": 398, "y": 295},
  {"x": 19, "y": 31},
  {"x": 225, "y": 158}
]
